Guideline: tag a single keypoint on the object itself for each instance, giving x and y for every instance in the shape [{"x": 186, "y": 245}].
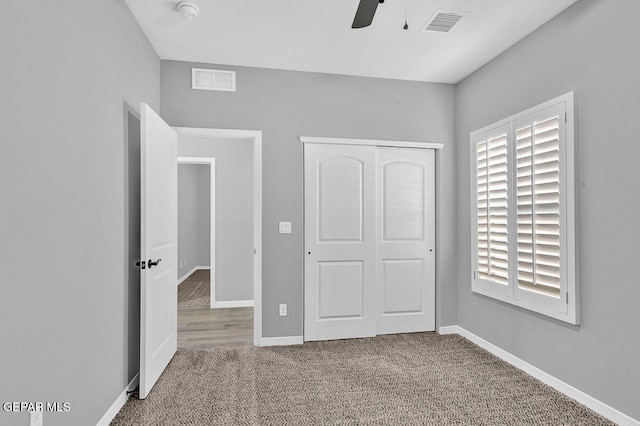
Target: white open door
[
  {"x": 340, "y": 244},
  {"x": 405, "y": 257},
  {"x": 159, "y": 223}
]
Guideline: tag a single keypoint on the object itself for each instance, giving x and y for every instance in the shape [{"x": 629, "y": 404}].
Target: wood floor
[
  {"x": 194, "y": 291},
  {"x": 202, "y": 327}
]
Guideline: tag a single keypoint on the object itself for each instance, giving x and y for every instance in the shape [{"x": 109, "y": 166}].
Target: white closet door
[
  {"x": 340, "y": 242},
  {"x": 405, "y": 252}
]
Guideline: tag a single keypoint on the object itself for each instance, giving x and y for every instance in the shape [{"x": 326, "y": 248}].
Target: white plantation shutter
[
  {"x": 492, "y": 209},
  {"x": 523, "y": 214},
  {"x": 538, "y": 206}
]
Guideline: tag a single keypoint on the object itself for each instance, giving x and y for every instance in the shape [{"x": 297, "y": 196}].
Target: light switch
[{"x": 285, "y": 227}]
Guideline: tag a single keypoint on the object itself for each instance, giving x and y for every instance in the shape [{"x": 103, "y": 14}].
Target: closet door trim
[{"x": 372, "y": 142}]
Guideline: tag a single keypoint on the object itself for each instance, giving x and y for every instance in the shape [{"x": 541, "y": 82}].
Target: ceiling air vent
[
  {"x": 206, "y": 79},
  {"x": 443, "y": 21}
]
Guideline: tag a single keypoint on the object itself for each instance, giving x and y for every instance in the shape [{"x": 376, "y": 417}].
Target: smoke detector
[{"x": 188, "y": 9}]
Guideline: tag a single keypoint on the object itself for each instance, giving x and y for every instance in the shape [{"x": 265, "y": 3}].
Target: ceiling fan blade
[{"x": 364, "y": 14}]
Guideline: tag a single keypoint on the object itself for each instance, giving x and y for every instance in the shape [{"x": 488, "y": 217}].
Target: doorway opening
[
  {"x": 233, "y": 160},
  {"x": 197, "y": 227},
  {"x": 201, "y": 321}
]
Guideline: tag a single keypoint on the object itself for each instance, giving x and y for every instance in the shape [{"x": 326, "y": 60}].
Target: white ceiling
[{"x": 306, "y": 35}]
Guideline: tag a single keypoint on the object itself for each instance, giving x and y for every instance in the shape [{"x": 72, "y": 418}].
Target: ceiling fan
[{"x": 365, "y": 12}]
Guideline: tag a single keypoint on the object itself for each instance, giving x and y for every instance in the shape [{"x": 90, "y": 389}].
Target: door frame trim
[
  {"x": 211, "y": 162},
  {"x": 256, "y": 137},
  {"x": 372, "y": 142}
]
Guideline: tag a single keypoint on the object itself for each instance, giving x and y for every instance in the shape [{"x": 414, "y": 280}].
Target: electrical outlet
[
  {"x": 35, "y": 418},
  {"x": 283, "y": 309}
]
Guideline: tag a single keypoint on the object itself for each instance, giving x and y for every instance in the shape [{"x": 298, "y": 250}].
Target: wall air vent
[
  {"x": 443, "y": 21},
  {"x": 206, "y": 79}
]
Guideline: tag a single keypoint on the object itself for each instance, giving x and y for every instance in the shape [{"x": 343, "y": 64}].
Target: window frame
[{"x": 567, "y": 307}]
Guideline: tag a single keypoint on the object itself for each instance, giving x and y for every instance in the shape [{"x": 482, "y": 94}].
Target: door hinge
[
  {"x": 567, "y": 298},
  {"x": 475, "y": 275},
  {"x": 565, "y": 116}
]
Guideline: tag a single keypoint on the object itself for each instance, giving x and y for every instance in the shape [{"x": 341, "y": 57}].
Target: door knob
[{"x": 151, "y": 263}]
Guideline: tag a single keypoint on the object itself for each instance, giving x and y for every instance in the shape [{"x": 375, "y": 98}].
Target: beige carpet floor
[
  {"x": 408, "y": 379},
  {"x": 194, "y": 292}
]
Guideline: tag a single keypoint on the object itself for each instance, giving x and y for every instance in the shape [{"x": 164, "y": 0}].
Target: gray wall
[
  {"x": 287, "y": 104},
  {"x": 187, "y": 218},
  {"x": 65, "y": 326},
  {"x": 194, "y": 217},
  {"x": 586, "y": 48},
  {"x": 233, "y": 267},
  {"x": 203, "y": 206}
]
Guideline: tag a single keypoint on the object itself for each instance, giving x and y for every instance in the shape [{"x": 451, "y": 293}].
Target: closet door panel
[
  {"x": 405, "y": 260},
  {"x": 403, "y": 203},
  {"x": 340, "y": 183},
  {"x": 339, "y": 242},
  {"x": 340, "y": 290},
  {"x": 402, "y": 286}
]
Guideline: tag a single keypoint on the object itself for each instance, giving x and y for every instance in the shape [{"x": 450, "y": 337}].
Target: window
[{"x": 523, "y": 203}]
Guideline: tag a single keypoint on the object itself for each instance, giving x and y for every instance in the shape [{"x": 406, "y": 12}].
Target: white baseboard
[
  {"x": 119, "y": 402},
  {"x": 449, "y": 329},
  {"x": 281, "y": 341},
  {"x": 233, "y": 304},
  {"x": 188, "y": 274},
  {"x": 590, "y": 402}
]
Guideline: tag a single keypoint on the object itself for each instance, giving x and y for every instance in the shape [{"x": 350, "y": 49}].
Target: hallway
[{"x": 202, "y": 327}]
